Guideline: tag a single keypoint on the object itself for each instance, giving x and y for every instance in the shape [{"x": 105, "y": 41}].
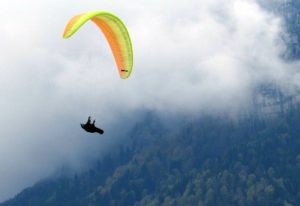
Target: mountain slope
[{"x": 208, "y": 161}]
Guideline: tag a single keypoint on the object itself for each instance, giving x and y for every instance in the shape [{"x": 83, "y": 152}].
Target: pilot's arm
[{"x": 89, "y": 120}]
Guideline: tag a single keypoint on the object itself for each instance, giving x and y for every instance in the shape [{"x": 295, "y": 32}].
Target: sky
[{"x": 189, "y": 57}]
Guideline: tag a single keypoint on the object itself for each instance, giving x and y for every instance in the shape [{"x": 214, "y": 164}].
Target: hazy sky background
[{"x": 189, "y": 56}]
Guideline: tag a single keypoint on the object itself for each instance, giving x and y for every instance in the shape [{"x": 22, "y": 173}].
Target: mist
[{"x": 189, "y": 57}]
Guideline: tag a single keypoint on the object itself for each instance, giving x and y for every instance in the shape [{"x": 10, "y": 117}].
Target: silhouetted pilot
[{"x": 91, "y": 127}]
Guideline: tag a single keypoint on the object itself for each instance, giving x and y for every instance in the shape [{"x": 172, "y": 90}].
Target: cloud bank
[{"x": 190, "y": 57}]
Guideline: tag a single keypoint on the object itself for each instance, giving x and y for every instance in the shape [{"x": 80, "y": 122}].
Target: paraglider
[
  {"x": 91, "y": 128},
  {"x": 118, "y": 39},
  {"x": 115, "y": 32}
]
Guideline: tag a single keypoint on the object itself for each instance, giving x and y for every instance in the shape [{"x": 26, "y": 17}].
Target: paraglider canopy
[{"x": 115, "y": 32}]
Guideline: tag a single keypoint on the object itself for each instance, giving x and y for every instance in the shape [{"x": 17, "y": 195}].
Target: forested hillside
[
  {"x": 207, "y": 161},
  {"x": 289, "y": 10}
]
